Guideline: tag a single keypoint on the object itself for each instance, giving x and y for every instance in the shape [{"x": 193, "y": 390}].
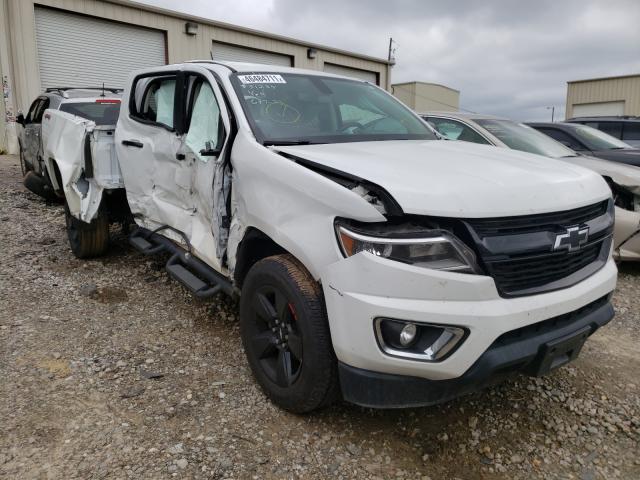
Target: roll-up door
[
  {"x": 77, "y": 50},
  {"x": 599, "y": 109},
  {"x": 235, "y": 53},
  {"x": 351, "y": 72}
]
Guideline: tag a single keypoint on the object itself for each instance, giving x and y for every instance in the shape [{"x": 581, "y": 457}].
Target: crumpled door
[
  {"x": 174, "y": 174},
  {"x": 156, "y": 174},
  {"x": 205, "y": 144}
]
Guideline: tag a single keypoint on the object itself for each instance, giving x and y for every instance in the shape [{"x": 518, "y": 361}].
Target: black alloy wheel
[{"x": 275, "y": 337}]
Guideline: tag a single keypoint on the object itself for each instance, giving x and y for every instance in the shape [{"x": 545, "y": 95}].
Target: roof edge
[
  {"x": 425, "y": 83},
  {"x": 231, "y": 26},
  {"x": 615, "y": 77}
]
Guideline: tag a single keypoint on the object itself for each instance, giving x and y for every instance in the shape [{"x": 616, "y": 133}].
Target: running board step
[
  {"x": 145, "y": 246},
  {"x": 195, "y": 285},
  {"x": 185, "y": 277},
  {"x": 198, "y": 277}
]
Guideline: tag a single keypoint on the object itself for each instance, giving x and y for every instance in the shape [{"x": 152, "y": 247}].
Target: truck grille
[
  {"x": 531, "y": 272},
  {"x": 535, "y": 267},
  {"x": 490, "y": 227}
]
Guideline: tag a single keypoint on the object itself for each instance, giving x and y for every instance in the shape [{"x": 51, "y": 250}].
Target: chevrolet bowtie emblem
[{"x": 573, "y": 239}]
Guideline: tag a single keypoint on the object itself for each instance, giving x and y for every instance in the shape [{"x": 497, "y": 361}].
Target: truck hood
[{"x": 460, "y": 179}]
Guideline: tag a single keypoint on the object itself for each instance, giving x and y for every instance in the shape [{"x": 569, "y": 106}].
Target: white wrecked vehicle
[{"x": 373, "y": 262}]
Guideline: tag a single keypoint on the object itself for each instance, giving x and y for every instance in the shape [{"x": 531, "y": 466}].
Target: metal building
[
  {"x": 46, "y": 43},
  {"x": 604, "y": 96},
  {"x": 427, "y": 97}
]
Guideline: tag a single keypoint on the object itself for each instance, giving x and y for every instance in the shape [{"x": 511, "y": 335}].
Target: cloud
[{"x": 509, "y": 58}]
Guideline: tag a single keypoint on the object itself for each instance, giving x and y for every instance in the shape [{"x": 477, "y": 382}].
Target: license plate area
[{"x": 561, "y": 351}]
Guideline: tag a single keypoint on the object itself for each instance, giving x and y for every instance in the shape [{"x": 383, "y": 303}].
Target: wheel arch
[
  {"x": 254, "y": 246},
  {"x": 51, "y": 165}
]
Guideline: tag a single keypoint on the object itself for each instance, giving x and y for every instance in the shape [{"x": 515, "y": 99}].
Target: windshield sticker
[{"x": 251, "y": 79}]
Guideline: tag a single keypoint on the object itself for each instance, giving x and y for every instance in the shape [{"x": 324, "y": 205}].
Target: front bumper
[
  {"x": 519, "y": 351},
  {"x": 360, "y": 288}
]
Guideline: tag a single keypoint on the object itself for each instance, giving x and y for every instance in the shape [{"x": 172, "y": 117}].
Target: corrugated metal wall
[
  {"x": 427, "y": 97},
  {"x": 625, "y": 89}
]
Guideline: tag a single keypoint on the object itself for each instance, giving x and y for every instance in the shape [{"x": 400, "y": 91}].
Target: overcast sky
[{"x": 507, "y": 57}]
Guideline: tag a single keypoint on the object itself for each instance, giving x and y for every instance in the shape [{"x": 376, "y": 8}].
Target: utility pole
[
  {"x": 553, "y": 111},
  {"x": 391, "y": 57}
]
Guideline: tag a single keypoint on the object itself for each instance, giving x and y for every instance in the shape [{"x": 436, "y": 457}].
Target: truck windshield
[
  {"x": 289, "y": 108},
  {"x": 103, "y": 113},
  {"x": 524, "y": 138}
]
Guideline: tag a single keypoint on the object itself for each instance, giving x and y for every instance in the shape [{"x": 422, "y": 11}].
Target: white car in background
[{"x": 623, "y": 179}]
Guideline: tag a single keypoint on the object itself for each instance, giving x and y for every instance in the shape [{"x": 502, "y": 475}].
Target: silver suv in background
[{"x": 99, "y": 104}]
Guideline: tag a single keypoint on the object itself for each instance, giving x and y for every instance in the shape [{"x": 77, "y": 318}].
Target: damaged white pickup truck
[{"x": 372, "y": 262}]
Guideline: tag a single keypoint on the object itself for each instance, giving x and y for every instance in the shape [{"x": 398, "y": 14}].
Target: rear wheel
[
  {"x": 286, "y": 336},
  {"x": 23, "y": 165},
  {"x": 87, "y": 239}
]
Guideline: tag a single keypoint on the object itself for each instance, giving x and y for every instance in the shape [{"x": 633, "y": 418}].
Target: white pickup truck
[{"x": 373, "y": 262}]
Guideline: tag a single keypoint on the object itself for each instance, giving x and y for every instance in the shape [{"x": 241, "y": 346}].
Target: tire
[
  {"x": 87, "y": 240},
  {"x": 286, "y": 336},
  {"x": 23, "y": 165}
]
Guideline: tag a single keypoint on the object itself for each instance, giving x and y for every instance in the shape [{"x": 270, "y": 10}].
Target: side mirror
[{"x": 20, "y": 119}]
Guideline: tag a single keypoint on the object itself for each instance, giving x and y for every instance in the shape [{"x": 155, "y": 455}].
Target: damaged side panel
[
  {"x": 170, "y": 179},
  {"x": 85, "y": 157}
]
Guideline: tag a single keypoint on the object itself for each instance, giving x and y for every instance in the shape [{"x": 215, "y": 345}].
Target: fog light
[
  {"x": 408, "y": 334},
  {"x": 417, "y": 341}
]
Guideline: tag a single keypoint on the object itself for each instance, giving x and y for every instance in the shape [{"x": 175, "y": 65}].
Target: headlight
[{"x": 434, "y": 249}]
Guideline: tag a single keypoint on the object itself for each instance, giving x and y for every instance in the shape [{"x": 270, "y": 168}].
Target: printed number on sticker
[{"x": 247, "y": 79}]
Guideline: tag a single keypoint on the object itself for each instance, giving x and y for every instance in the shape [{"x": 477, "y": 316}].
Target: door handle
[{"x": 133, "y": 143}]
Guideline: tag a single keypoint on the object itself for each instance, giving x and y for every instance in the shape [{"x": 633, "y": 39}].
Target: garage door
[
  {"x": 225, "y": 52},
  {"x": 599, "y": 109},
  {"x": 351, "y": 72},
  {"x": 77, "y": 50}
]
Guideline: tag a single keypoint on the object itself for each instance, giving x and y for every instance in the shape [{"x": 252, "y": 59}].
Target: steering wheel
[
  {"x": 348, "y": 125},
  {"x": 367, "y": 126}
]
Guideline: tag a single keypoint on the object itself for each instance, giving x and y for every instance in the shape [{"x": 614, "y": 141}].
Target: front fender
[{"x": 293, "y": 205}]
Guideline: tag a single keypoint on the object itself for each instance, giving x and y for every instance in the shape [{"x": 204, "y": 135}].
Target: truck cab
[{"x": 373, "y": 262}]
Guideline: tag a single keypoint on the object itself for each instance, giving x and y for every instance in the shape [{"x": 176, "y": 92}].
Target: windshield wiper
[{"x": 284, "y": 143}]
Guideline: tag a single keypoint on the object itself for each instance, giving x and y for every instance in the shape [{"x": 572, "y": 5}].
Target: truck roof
[{"x": 242, "y": 67}]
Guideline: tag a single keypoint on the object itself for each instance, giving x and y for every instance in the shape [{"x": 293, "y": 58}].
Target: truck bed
[{"x": 81, "y": 160}]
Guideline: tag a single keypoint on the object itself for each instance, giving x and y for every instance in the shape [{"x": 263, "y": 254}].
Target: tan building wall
[
  {"x": 624, "y": 89},
  {"x": 426, "y": 97},
  {"x": 19, "y": 28}
]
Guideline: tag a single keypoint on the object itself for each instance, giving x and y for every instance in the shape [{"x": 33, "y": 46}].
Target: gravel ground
[{"x": 111, "y": 370}]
